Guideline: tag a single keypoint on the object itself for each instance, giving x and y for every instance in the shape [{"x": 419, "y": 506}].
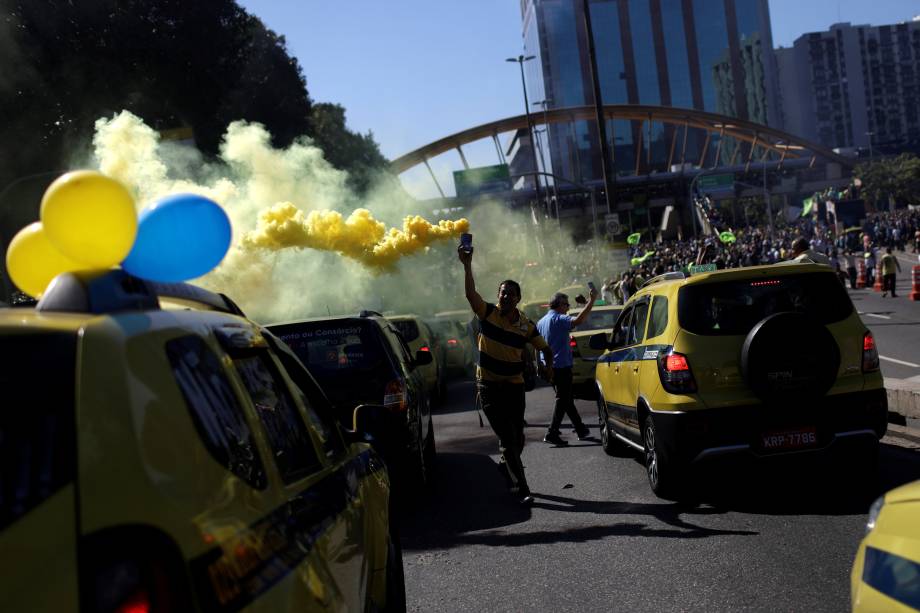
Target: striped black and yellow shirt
[{"x": 501, "y": 343}]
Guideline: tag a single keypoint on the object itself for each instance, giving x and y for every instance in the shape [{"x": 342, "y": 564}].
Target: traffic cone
[
  {"x": 877, "y": 287},
  {"x": 860, "y": 274},
  {"x": 915, "y": 286}
]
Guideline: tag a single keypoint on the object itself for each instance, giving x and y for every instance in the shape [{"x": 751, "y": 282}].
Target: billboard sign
[
  {"x": 716, "y": 183},
  {"x": 483, "y": 180}
]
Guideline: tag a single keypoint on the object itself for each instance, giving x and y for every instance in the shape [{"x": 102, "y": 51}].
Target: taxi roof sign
[{"x": 698, "y": 270}]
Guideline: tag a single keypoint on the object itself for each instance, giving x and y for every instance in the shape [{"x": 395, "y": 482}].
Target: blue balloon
[{"x": 179, "y": 237}]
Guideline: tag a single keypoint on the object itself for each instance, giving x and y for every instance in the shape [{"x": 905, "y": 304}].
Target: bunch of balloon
[
  {"x": 89, "y": 222},
  {"x": 179, "y": 237}
]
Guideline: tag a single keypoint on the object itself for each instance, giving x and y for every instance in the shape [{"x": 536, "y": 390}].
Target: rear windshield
[
  {"x": 408, "y": 329},
  {"x": 600, "y": 319},
  {"x": 734, "y": 307},
  {"x": 36, "y": 420},
  {"x": 334, "y": 347},
  {"x": 443, "y": 329}
]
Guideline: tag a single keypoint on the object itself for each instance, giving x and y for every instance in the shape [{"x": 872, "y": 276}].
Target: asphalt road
[
  {"x": 763, "y": 539},
  {"x": 895, "y": 323}
]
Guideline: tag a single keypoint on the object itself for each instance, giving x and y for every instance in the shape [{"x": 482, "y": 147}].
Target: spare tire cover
[{"x": 788, "y": 356}]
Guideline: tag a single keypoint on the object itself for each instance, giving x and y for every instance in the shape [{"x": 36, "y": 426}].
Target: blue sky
[{"x": 412, "y": 71}]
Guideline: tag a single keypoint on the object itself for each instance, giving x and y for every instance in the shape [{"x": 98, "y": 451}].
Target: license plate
[{"x": 782, "y": 440}]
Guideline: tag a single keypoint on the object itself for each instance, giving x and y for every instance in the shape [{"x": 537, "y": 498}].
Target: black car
[{"x": 363, "y": 360}]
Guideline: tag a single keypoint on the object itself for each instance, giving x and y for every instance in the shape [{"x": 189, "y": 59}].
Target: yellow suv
[
  {"x": 161, "y": 452},
  {"x": 760, "y": 361}
]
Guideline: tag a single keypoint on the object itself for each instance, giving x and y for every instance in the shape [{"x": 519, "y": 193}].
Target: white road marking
[
  {"x": 901, "y": 362},
  {"x": 879, "y": 316}
]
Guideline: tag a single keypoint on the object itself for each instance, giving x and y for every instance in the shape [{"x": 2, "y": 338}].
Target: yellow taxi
[
  {"x": 886, "y": 572},
  {"x": 161, "y": 452},
  {"x": 584, "y": 358},
  {"x": 762, "y": 361},
  {"x": 420, "y": 337}
]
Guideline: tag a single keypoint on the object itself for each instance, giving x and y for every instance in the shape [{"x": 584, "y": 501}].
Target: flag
[
  {"x": 633, "y": 239},
  {"x": 809, "y": 204},
  {"x": 727, "y": 237}
]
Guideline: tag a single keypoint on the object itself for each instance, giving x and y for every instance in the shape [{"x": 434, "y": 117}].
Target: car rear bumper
[{"x": 698, "y": 435}]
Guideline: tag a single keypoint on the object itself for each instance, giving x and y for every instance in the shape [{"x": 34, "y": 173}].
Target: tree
[
  {"x": 897, "y": 178},
  {"x": 171, "y": 62},
  {"x": 357, "y": 153}
]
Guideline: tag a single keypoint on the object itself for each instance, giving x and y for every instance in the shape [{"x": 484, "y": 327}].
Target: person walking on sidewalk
[
  {"x": 890, "y": 267},
  {"x": 555, "y": 327},
  {"x": 503, "y": 332}
]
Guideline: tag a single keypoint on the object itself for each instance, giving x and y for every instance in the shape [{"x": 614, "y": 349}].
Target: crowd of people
[{"x": 754, "y": 246}]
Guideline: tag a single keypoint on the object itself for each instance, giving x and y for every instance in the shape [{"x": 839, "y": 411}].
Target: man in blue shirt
[{"x": 555, "y": 327}]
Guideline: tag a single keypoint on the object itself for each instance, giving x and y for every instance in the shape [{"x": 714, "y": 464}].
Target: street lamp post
[
  {"x": 544, "y": 104},
  {"x": 530, "y": 132}
]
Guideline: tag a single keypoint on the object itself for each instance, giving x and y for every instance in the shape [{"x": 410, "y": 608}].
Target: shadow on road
[
  {"x": 469, "y": 495},
  {"x": 799, "y": 486},
  {"x": 470, "y": 505}
]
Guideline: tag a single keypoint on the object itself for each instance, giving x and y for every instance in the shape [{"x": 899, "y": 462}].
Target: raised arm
[
  {"x": 469, "y": 285},
  {"x": 584, "y": 312}
]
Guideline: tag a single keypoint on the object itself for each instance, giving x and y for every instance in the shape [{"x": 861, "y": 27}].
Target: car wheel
[
  {"x": 396, "y": 578},
  {"x": 608, "y": 440},
  {"x": 663, "y": 474}
]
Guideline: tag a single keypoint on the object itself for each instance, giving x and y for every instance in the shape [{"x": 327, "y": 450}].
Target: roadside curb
[{"x": 903, "y": 398}]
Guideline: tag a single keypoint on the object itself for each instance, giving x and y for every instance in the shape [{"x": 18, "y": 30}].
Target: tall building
[
  {"x": 854, "y": 86},
  {"x": 712, "y": 55}
]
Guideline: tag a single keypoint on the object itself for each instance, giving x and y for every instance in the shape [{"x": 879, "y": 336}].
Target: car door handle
[{"x": 635, "y": 369}]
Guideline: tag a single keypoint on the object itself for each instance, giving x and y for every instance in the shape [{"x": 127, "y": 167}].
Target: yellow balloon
[
  {"x": 90, "y": 218},
  {"x": 33, "y": 262}
]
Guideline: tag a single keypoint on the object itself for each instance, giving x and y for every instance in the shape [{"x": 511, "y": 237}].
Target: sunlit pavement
[
  {"x": 597, "y": 539},
  {"x": 895, "y": 323}
]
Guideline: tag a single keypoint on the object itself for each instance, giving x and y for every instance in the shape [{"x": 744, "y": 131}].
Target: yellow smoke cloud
[{"x": 359, "y": 236}]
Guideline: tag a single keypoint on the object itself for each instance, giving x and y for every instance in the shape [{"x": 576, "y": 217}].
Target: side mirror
[
  {"x": 423, "y": 357},
  {"x": 599, "y": 341}
]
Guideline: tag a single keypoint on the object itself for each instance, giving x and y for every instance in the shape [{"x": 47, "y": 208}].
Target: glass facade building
[{"x": 711, "y": 55}]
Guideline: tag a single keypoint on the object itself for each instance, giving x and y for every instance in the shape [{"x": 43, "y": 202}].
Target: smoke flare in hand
[{"x": 359, "y": 236}]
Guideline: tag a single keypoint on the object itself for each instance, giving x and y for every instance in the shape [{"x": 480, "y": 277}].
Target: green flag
[
  {"x": 809, "y": 204},
  {"x": 727, "y": 237},
  {"x": 633, "y": 239},
  {"x": 637, "y": 261}
]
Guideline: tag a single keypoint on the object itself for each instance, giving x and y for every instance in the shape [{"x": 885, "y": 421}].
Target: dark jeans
[
  {"x": 852, "y": 273},
  {"x": 503, "y": 404},
  {"x": 888, "y": 282},
  {"x": 565, "y": 401}
]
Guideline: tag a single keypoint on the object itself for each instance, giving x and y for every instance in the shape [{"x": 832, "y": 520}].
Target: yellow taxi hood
[{"x": 905, "y": 493}]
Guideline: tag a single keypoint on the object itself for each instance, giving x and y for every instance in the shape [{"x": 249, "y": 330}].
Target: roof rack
[
  {"x": 112, "y": 291},
  {"x": 668, "y": 276}
]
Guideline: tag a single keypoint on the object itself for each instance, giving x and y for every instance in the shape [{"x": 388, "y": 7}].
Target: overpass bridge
[{"x": 688, "y": 143}]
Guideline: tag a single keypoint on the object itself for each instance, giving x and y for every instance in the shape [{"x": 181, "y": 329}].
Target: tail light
[
  {"x": 870, "y": 353},
  {"x": 452, "y": 342},
  {"x": 574, "y": 345},
  {"x": 395, "y": 397},
  {"x": 136, "y": 603},
  {"x": 424, "y": 348},
  {"x": 674, "y": 371}
]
